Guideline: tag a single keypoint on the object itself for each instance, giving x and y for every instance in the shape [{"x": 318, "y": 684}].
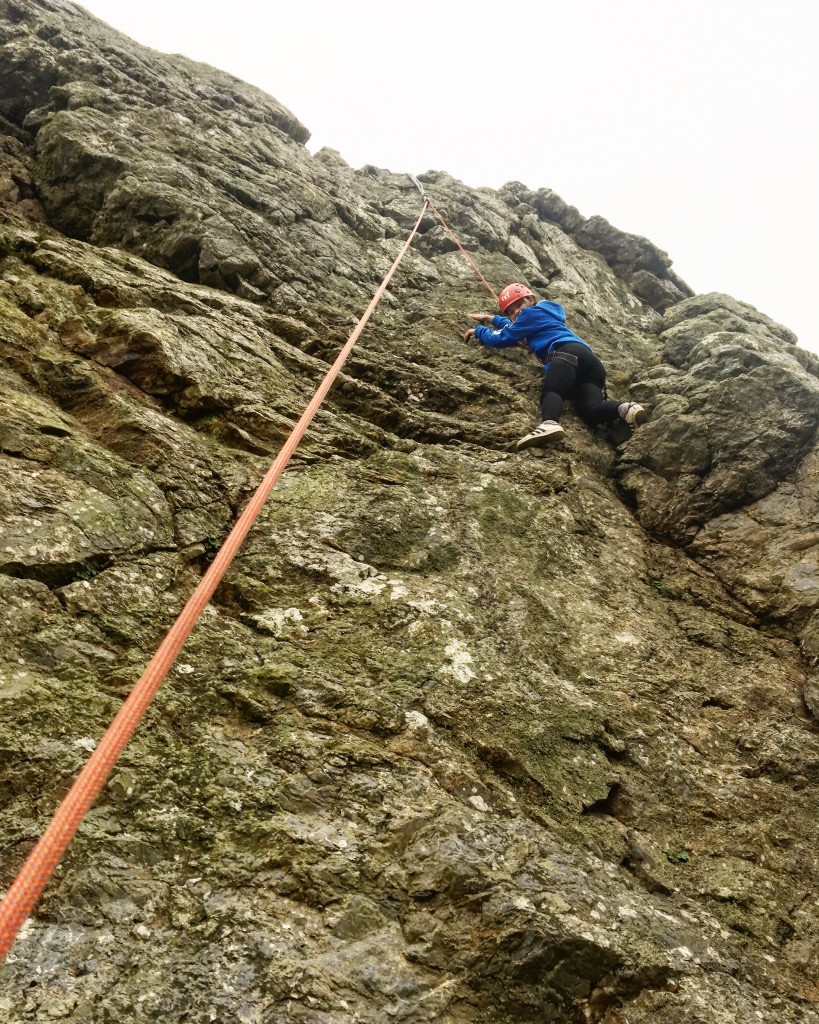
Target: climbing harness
[{"x": 46, "y": 855}]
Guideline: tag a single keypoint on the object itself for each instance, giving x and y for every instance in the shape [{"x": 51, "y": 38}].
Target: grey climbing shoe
[
  {"x": 544, "y": 433},
  {"x": 634, "y": 414}
]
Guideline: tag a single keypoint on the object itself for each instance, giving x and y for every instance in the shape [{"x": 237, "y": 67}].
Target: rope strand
[
  {"x": 34, "y": 875},
  {"x": 471, "y": 262},
  {"x": 46, "y": 855}
]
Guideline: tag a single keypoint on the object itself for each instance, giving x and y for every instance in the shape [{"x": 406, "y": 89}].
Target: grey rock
[
  {"x": 735, "y": 413},
  {"x": 811, "y": 695},
  {"x": 464, "y": 734}
]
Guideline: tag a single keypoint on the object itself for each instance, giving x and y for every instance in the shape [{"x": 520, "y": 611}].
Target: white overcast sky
[{"x": 694, "y": 124}]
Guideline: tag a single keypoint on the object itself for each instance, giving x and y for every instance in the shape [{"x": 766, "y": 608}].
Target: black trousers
[{"x": 584, "y": 382}]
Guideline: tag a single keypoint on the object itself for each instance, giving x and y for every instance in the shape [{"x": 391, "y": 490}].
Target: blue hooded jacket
[{"x": 541, "y": 327}]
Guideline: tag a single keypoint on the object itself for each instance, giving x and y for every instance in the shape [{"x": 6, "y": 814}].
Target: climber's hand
[
  {"x": 470, "y": 334},
  {"x": 482, "y": 318}
]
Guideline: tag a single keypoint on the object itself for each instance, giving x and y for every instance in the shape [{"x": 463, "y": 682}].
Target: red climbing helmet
[{"x": 511, "y": 294}]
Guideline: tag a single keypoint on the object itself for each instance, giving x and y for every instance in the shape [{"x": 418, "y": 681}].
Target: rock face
[{"x": 466, "y": 735}]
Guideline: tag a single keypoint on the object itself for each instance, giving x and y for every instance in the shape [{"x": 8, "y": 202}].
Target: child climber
[{"x": 570, "y": 367}]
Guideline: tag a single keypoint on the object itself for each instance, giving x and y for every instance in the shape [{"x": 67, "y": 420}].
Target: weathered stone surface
[
  {"x": 734, "y": 414},
  {"x": 18, "y": 198},
  {"x": 463, "y": 735},
  {"x": 768, "y": 554},
  {"x": 645, "y": 268}
]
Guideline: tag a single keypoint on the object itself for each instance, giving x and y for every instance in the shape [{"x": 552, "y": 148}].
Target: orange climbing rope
[
  {"x": 454, "y": 238},
  {"x": 489, "y": 287},
  {"x": 46, "y": 855}
]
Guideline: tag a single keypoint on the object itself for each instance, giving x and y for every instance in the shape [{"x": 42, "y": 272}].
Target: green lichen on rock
[{"x": 465, "y": 734}]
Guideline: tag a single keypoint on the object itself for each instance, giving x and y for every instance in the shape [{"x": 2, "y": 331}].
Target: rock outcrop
[{"x": 466, "y": 734}]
